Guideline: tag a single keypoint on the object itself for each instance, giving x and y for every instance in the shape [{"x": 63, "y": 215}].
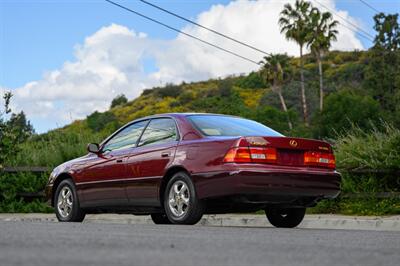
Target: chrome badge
[{"x": 293, "y": 143}]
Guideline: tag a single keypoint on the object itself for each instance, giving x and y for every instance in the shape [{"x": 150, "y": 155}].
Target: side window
[
  {"x": 160, "y": 130},
  {"x": 126, "y": 138}
]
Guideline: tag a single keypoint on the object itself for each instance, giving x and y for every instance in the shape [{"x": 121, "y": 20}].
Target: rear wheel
[
  {"x": 66, "y": 203},
  {"x": 160, "y": 218},
  {"x": 181, "y": 203},
  {"x": 285, "y": 217}
]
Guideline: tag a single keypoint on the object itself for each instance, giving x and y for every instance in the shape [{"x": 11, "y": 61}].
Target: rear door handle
[
  {"x": 165, "y": 154},
  {"x": 119, "y": 160}
]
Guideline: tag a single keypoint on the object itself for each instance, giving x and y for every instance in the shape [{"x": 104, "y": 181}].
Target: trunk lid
[{"x": 289, "y": 151}]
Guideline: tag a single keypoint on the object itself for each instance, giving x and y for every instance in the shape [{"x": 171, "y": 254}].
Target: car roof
[{"x": 180, "y": 115}]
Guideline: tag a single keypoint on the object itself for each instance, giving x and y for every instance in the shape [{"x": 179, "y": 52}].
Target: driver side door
[{"x": 104, "y": 177}]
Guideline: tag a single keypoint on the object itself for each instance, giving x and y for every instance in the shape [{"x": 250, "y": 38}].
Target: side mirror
[{"x": 93, "y": 148}]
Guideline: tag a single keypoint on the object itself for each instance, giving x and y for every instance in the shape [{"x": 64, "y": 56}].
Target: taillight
[
  {"x": 251, "y": 155},
  {"x": 238, "y": 155},
  {"x": 322, "y": 159}
]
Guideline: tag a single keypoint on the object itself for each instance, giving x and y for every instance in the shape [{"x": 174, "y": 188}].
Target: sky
[{"x": 63, "y": 60}]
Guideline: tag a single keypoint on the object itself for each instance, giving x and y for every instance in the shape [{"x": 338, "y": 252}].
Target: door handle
[
  {"x": 165, "y": 154},
  {"x": 119, "y": 160}
]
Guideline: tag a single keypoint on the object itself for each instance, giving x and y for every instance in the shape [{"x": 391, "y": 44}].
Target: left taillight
[
  {"x": 320, "y": 159},
  {"x": 251, "y": 155}
]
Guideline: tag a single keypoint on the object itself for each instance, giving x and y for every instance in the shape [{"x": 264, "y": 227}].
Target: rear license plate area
[{"x": 290, "y": 157}]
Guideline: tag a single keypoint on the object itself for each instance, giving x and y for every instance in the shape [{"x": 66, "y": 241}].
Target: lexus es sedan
[{"x": 177, "y": 167}]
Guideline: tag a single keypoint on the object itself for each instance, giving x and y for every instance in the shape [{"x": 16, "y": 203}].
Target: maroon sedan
[{"x": 176, "y": 167}]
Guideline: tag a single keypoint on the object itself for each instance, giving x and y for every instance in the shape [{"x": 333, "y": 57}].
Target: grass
[
  {"x": 373, "y": 149},
  {"x": 366, "y": 206}
]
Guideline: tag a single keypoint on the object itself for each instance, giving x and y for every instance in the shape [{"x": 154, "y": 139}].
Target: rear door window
[{"x": 159, "y": 130}]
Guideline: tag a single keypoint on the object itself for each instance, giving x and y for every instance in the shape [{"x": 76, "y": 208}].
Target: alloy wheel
[
  {"x": 65, "y": 202},
  {"x": 179, "y": 198}
]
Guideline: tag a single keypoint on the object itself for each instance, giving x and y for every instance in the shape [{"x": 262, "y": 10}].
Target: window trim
[
  {"x": 155, "y": 118},
  {"x": 222, "y": 115},
  {"x": 148, "y": 119},
  {"x": 104, "y": 142}
]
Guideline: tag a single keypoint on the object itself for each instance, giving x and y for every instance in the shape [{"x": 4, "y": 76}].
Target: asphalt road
[{"x": 34, "y": 243}]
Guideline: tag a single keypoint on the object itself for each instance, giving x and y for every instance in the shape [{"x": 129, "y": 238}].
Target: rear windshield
[{"x": 219, "y": 125}]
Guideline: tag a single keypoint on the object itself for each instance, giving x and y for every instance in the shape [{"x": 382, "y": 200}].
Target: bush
[
  {"x": 169, "y": 90},
  {"x": 54, "y": 148},
  {"x": 344, "y": 109},
  {"x": 251, "y": 81},
  {"x": 98, "y": 121},
  {"x": 272, "y": 117},
  {"x": 13, "y": 184},
  {"x": 374, "y": 149},
  {"x": 119, "y": 100},
  {"x": 367, "y": 206}
]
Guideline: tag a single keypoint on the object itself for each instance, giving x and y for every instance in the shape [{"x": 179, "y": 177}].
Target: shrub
[
  {"x": 169, "y": 90},
  {"x": 344, "y": 109},
  {"x": 97, "y": 121},
  {"x": 13, "y": 184},
  {"x": 376, "y": 149},
  {"x": 251, "y": 81},
  {"x": 372, "y": 149},
  {"x": 119, "y": 100}
]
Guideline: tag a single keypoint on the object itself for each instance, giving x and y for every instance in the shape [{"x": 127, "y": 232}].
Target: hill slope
[{"x": 246, "y": 96}]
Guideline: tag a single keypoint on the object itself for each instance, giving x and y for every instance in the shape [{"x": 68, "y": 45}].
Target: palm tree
[
  {"x": 323, "y": 32},
  {"x": 295, "y": 23},
  {"x": 273, "y": 71}
]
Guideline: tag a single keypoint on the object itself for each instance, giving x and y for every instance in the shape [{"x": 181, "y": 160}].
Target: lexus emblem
[{"x": 293, "y": 143}]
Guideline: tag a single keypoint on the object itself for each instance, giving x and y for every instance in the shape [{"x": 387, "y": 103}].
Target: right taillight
[
  {"x": 251, "y": 155},
  {"x": 321, "y": 159}
]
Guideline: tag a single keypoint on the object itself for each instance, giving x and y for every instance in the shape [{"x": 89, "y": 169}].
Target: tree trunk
[
  {"x": 303, "y": 91},
  {"x": 321, "y": 84},
  {"x": 285, "y": 108}
]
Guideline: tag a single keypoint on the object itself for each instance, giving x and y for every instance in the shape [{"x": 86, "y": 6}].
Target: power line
[
  {"x": 370, "y": 6},
  {"x": 366, "y": 35},
  {"x": 184, "y": 33},
  {"x": 204, "y": 27}
]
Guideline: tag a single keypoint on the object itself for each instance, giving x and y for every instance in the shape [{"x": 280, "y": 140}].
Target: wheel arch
[
  {"x": 167, "y": 176},
  {"x": 59, "y": 179}
]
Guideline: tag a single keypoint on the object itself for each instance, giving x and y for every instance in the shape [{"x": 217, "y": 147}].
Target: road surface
[{"x": 47, "y": 243}]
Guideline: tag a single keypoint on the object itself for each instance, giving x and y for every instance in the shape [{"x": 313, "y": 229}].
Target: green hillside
[
  {"x": 358, "y": 118},
  {"x": 348, "y": 102}
]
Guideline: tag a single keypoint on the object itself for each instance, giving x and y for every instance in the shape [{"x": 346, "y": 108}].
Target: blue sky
[{"x": 39, "y": 36}]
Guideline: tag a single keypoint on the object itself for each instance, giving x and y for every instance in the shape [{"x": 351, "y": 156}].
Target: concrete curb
[{"x": 377, "y": 223}]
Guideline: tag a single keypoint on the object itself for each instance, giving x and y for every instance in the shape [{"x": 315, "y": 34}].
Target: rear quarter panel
[{"x": 203, "y": 155}]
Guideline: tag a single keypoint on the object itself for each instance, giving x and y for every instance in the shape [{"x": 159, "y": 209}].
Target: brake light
[
  {"x": 251, "y": 155},
  {"x": 238, "y": 155},
  {"x": 323, "y": 159}
]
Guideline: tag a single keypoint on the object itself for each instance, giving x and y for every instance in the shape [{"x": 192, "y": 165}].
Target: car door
[
  {"x": 105, "y": 176},
  {"x": 147, "y": 164}
]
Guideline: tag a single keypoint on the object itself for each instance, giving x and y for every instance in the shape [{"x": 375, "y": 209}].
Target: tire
[
  {"x": 160, "y": 218},
  {"x": 66, "y": 203},
  {"x": 184, "y": 207},
  {"x": 285, "y": 218}
]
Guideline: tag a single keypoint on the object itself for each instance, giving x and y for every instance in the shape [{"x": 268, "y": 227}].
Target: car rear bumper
[{"x": 273, "y": 182}]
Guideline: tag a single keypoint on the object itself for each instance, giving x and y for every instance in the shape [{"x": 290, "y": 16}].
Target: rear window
[{"x": 219, "y": 125}]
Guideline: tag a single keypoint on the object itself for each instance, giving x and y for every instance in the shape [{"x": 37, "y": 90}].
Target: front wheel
[
  {"x": 285, "y": 217},
  {"x": 181, "y": 204},
  {"x": 66, "y": 203}
]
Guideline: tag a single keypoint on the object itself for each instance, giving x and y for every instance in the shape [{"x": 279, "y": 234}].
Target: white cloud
[{"x": 110, "y": 61}]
